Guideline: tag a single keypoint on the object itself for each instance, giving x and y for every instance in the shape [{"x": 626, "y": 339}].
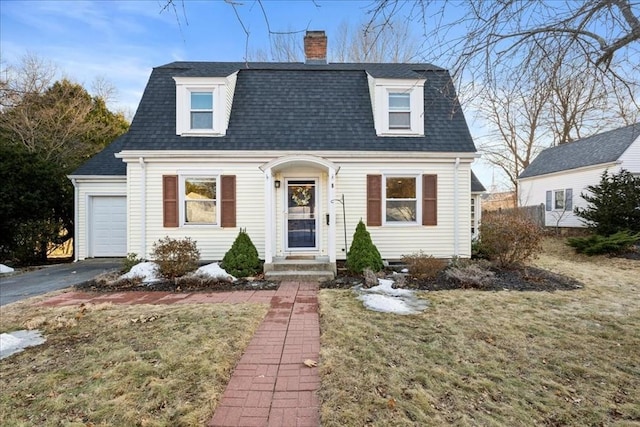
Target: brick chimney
[{"x": 315, "y": 47}]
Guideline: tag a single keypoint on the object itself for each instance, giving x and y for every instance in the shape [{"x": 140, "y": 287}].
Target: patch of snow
[
  {"x": 386, "y": 299},
  {"x": 385, "y": 287},
  {"x": 17, "y": 341},
  {"x": 149, "y": 272},
  {"x": 385, "y": 304},
  {"x": 6, "y": 269},
  {"x": 215, "y": 271},
  {"x": 404, "y": 270}
]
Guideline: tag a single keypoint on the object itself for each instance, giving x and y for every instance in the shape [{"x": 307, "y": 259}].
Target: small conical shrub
[
  {"x": 242, "y": 259},
  {"x": 363, "y": 253}
]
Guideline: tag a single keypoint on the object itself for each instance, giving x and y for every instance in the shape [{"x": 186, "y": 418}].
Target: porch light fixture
[{"x": 277, "y": 183}]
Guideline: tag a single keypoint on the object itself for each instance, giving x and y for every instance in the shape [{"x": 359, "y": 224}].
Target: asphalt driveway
[{"x": 25, "y": 285}]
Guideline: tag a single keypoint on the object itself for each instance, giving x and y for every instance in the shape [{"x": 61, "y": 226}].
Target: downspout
[
  {"x": 143, "y": 209},
  {"x": 76, "y": 225},
  {"x": 456, "y": 208}
]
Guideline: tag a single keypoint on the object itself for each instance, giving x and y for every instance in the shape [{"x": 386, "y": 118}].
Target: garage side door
[{"x": 108, "y": 226}]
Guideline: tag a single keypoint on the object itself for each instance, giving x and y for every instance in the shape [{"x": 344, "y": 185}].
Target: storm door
[{"x": 301, "y": 223}]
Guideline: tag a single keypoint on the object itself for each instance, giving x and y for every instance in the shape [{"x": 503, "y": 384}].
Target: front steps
[{"x": 300, "y": 269}]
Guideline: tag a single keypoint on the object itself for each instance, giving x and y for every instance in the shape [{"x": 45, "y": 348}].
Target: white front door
[{"x": 301, "y": 222}]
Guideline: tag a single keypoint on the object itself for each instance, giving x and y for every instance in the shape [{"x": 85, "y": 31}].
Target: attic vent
[{"x": 315, "y": 47}]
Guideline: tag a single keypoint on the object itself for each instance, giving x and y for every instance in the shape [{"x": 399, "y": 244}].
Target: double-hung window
[
  {"x": 558, "y": 200},
  {"x": 200, "y": 200},
  {"x": 203, "y": 105},
  {"x": 401, "y": 199},
  {"x": 201, "y": 110},
  {"x": 399, "y": 110}
]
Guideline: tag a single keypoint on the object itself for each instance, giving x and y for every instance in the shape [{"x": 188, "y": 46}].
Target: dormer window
[
  {"x": 399, "y": 110},
  {"x": 202, "y": 110},
  {"x": 398, "y": 106},
  {"x": 203, "y": 105}
]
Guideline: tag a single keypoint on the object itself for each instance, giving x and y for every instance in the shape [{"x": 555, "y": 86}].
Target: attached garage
[
  {"x": 101, "y": 205},
  {"x": 108, "y": 226}
]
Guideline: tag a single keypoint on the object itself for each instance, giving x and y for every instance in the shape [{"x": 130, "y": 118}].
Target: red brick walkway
[{"x": 270, "y": 386}]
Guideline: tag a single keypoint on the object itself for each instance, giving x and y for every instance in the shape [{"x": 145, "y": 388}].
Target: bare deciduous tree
[
  {"x": 514, "y": 116},
  {"x": 510, "y": 32}
]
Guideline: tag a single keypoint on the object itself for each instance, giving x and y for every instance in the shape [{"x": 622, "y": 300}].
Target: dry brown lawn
[
  {"x": 490, "y": 358},
  {"x": 116, "y": 365}
]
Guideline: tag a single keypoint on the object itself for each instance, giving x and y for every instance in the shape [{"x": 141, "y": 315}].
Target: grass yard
[
  {"x": 490, "y": 358},
  {"x": 117, "y": 365}
]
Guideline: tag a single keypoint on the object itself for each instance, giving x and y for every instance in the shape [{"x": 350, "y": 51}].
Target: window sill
[
  {"x": 201, "y": 133},
  {"x": 401, "y": 224},
  {"x": 400, "y": 133}
]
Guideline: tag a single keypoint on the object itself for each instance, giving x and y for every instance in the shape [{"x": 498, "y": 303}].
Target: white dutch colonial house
[
  {"x": 559, "y": 175},
  {"x": 276, "y": 148}
]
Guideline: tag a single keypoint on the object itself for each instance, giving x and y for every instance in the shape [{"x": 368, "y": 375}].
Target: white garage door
[{"x": 109, "y": 226}]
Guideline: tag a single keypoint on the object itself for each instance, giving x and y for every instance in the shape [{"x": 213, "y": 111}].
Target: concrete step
[
  {"x": 299, "y": 265},
  {"x": 299, "y": 276}
]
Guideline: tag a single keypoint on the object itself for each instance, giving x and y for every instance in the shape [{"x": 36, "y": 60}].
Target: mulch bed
[
  {"x": 109, "y": 283},
  {"x": 527, "y": 279}
]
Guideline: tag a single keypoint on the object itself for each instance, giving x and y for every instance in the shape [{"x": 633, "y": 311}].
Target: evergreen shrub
[
  {"x": 242, "y": 259},
  {"x": 613, "y": 204},
  {"x": 363, "y": 253},
  {"x": 616, "y": 243}
]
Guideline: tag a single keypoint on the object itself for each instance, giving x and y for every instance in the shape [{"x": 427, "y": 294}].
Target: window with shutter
[
  {"x": 374, "y": 200},
  {"x": 429, "y": 199},
  {"x": 228, "y": 201},
  {"x": 170, "y": 200}
]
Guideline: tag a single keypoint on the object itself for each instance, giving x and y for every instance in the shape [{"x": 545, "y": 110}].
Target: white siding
[
  {"x": 212, "y": 241},
  {"x": 395, "y": 241},
  {"x": 630, "y": 159},
  {"x": 87, "y": 188},
  {"x": 392, "y": 241},
  {"x": 533, "y": 192}
]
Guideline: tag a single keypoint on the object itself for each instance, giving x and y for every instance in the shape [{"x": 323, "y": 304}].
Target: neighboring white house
[
  {"x": 273, "y": 148},
  {"x": 559, "y": 175}
]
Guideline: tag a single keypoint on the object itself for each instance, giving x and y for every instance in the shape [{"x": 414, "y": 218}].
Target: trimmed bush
[
  {"x": 242, "y": 259},
  {"x": 175, "y": 257},
  {"x": 509, "y": 238},
  {"x": 423, "y": 266},
  {"x": 617, "y": 243},
  {"x": 363, "y": 253}
]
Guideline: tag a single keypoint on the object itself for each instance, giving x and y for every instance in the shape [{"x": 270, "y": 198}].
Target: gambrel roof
[
  {"x": 301, "y": 107},
  {"x": 598, "y": 149},
  {"x": 292, "y": 107}
]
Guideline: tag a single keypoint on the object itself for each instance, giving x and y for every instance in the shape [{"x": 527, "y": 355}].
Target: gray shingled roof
[
  {"x": 105, "y": 163},
  {"x": 476, "y": 185},
  {"x": 298, "y": 107},
  {"x": 605, "y": 147}
]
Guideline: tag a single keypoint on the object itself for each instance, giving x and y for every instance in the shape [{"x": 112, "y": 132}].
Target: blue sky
[{"x": 122, "y": 41}]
